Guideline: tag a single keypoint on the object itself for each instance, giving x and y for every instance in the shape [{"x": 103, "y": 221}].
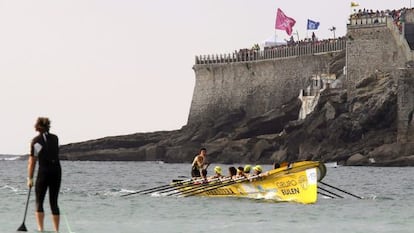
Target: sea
[{"x": 91, "y": 200}]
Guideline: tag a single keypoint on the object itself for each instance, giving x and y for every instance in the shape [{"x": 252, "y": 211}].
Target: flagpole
[
  {"x": 307, "y": 30},
  {"x": 275, "y": 36}
]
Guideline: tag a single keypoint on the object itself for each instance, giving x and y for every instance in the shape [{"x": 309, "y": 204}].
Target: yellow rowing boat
[{"x": 296, "y": 182}]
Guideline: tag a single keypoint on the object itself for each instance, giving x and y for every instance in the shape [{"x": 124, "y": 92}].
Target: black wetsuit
[{"x": 49, "y": 173}]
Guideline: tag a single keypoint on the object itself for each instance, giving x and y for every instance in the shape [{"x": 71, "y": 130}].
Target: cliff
[
  {"x": 245, "y": 107},
  {"x": 361, "y": 131}
]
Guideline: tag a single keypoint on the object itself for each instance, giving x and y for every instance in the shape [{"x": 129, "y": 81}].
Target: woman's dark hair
[
  {"x": 42, "y": 123},
  {"x": 232, "y": 171}
]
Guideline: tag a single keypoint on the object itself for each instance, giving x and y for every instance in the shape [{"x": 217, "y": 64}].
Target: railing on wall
[
  {"x": 298, "y": 49},
  {"x": 367, "y": 20}
]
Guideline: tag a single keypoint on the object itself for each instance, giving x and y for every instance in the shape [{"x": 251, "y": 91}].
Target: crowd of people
[
  {"x": 252, "y": 53},
  {"x": 398, "y": 16},
  {"x": 306, "y": 41}
]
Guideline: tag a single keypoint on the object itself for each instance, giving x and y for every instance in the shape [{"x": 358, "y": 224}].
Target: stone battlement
[{"x": 285, "y": 51}]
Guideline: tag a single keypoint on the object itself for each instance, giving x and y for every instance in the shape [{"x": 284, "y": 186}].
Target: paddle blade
[{"x": 22, "y": 228}]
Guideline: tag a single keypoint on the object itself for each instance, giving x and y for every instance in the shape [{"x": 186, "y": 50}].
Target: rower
[
  {"x": 276, "y": 165},
  {"x": 217, "y": 173},
  {"x": 240, "y": 172},
  {"x": 257, "y": 170},
  {"x": 257, "y": 173},
  {"x": 246, "y": 170},
  {"x": 232, "y": 172}
]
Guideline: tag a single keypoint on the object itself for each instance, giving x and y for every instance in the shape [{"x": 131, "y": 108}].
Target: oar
[
  {"x": 198, "y": 184},
  {"x": 326, "y": 195},
  {"x": 158, "y": 188},
  {"x": 141, "y": 191},
  {"x": 23, "y": 226},
  {"x": 206, "y": 188},
  {"x": 179, "y": 186},
  {"x": 337, "y": 195},
  {"x": 220, "y": 185},
  {"x": 341, "y": 190},
  {"x": 166, "y": 188}
]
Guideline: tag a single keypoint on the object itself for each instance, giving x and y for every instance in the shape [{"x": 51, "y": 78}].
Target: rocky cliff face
[{"x": 357, "y": 131}]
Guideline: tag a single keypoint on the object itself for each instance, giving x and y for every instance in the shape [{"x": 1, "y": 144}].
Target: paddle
[
  {"x": 341, "y": 190},
  {"x": 158, "y": 188},
  {"x": 141, "y": 191},
  {"x": 337, "y": 195},
  {"x": 216, "y": 186},
  {"x": 180, "y": 185},
  {"x": 167, "y": 187},
  {"x": 205, "y": 188},
  {"x": 23, "y": 226},
  {"x": 326, "y": 195},
  {"x": 197, "y": 184}
]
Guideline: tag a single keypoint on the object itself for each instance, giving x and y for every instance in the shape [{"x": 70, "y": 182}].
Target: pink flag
[{"x": 283, "y": 22}]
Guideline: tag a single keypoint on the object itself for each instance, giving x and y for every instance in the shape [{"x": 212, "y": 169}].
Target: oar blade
[{"x": 22, "y": 228}]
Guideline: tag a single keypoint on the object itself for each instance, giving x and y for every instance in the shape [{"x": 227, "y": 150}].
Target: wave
[
  {"x": 10, "y": 188},
  {"x": 13, "y": 189},
  {"x": 11, "y": 157}
]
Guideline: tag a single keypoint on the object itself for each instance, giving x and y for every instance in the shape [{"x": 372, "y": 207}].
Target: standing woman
[{"x": 45, "y": 149}]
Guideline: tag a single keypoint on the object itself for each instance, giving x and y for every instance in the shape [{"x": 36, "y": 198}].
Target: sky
[{"x": 102, "y": 68}]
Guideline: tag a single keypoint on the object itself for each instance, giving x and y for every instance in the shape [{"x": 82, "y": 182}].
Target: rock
[
  {"x": 154, "y": 152},
  {"x": 357, "y": 131},
  {"x": 280, "y": 155},
  {"x": 258, "y": 149},
  {"x": 357, "y": 159},
  {"x": 400, "y": 162},
  {"x": 391, "y": 154}
]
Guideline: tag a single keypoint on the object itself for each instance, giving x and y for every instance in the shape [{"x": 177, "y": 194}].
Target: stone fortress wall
[
  {"x": 259, "y": 81},
  {"x": 256, "y": 81},
  {"x": 377, "y": 43}
]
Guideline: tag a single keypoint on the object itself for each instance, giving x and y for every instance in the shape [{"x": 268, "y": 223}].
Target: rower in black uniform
[{"x": 45, "y": 149}]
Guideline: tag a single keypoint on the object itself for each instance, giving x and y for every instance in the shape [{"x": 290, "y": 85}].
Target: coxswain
[{"x": 200, "y": 164}]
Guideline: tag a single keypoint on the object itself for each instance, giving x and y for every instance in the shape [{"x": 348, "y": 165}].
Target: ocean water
[{"x": 91, "y": 201}]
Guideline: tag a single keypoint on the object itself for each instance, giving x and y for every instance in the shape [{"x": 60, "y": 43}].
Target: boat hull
[{"x": 294, "y": 183}]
